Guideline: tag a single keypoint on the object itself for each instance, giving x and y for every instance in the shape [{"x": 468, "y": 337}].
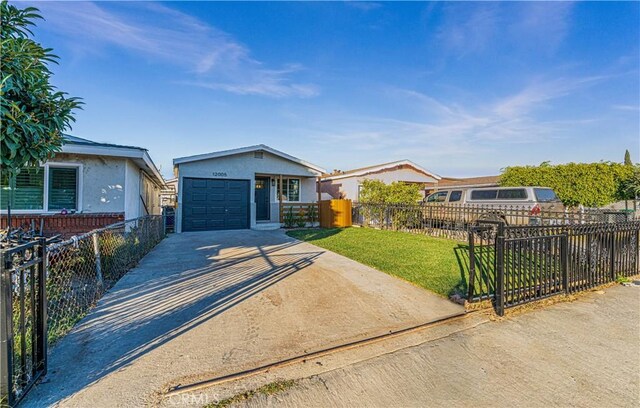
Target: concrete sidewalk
[
  {"x": 214, "y": 303},
  {"x": 584, "y": 353}
]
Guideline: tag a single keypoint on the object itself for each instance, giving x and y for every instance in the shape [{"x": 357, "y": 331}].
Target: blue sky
[{"x": 463, "y": 89}]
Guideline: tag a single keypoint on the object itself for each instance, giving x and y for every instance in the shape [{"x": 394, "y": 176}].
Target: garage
[
  {"x": 241, "y": 188},
  {"x": 214, "y": 204}
]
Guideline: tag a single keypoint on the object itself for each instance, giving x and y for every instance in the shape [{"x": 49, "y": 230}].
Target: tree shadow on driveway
[{"x": 180, "y": 285}]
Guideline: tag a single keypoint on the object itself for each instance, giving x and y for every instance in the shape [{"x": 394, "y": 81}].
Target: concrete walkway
[
  {"x": 210, "y": 304},
  {"x": 580, "y": 354}
]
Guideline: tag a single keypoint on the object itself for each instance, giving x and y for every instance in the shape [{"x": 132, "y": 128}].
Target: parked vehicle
[{"x": 514, "y": 205}]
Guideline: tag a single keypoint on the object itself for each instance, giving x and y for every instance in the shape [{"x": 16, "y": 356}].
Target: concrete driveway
[{"x": 214, "y": 303}]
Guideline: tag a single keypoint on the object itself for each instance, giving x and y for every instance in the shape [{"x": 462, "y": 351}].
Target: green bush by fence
[
  {"x": 377, "y": 192},
  {"x": 589, "y": 184}
]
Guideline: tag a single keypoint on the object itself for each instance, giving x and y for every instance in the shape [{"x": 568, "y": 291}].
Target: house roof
[
  {"x": 139, "y": 155},
  {"x": 484, "y": 181},
  {"x": 381, "y": 167},
  {"x": 248, "y": 149}
]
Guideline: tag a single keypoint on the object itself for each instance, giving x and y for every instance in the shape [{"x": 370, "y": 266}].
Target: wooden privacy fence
[{"x": 335, "y": 213}]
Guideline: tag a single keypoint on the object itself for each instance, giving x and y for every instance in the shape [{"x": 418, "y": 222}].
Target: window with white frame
[
  {"x": 53, "y": 187},
  {"x": 290, "y": 189}
]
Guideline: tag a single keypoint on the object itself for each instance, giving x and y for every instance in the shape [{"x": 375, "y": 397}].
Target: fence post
[
  {"x": 96, "y": 251},
  {"x": 637, "y": 251},
  {"x": 612, "y": 250},
  {"x": 42, "y": 326},
  {"x": 472, "y": 266},
  {"x": 387, "y": 219},
  {"x": 500, "y": 275},
  {"x": 6, "y": 330},
  {"x": 564, "y": 261}
]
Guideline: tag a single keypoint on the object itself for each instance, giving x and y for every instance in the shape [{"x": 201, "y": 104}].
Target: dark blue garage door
[{"x": 214, "y": 204}]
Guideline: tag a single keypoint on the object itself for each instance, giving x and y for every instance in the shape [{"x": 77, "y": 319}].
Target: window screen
[
  {"x": 512, "y": 194},
  {"x": 484, "y": 194},
  {"x": 28, "y": 189},
  {"x": 63, "y": 186}
]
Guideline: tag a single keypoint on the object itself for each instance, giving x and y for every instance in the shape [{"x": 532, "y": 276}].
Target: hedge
[{"x": 589, "y": 184}]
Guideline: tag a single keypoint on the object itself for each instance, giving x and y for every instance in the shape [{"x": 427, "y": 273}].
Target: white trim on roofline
[
  {"x": 141, "y": 156},
  {"x": 459, "y": 186},
  {"x": 381, "y": 167},
  {"x": 248, "y": 149}
]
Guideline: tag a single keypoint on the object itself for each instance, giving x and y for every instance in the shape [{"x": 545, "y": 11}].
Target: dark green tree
[
  {"x": 34, "y": 113},
  {"x": 627, "y": 158}
]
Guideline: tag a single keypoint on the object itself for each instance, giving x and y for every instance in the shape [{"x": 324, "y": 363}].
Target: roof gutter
[{"x": 127, "y": 152}]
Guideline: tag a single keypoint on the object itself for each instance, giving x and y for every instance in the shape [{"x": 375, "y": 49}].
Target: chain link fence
[{"x": 80, "y": 270}]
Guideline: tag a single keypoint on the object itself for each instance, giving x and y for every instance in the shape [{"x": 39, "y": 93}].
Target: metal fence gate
[
  {"x": 530, "y": 268},
  {"x": 513, "y": 265},
  {"x": 23, "y": 319}
]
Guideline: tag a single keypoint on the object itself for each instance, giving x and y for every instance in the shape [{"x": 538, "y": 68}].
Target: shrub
[
  {"x": 300, "y": 219},
  {"x": 377, "y": 192},
  {"x": 589, "y": 184},
  {"x": 289, "y": 218}
]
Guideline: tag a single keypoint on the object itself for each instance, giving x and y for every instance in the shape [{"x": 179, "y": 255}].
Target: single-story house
[
  {"x": 466, "y": 182},
  {"x": 347, "y": 184},
  {"x": 85, "y": 186},
  {"x": 240, "y": 188}
]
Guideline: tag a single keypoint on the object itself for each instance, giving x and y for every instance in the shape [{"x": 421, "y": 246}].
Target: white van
[{"x": 516, "y": 205}]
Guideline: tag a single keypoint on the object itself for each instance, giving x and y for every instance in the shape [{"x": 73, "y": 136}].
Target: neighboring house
[
  {"x": 84, "y": 186},
  {"x": 239, "y": 188},
  {"x": 468, "y": 182},
  {"x": 169, "y": 195},
  {"x": 347, "y": 184}
]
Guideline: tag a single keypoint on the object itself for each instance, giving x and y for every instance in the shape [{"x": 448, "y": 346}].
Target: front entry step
[{"x": 266, "y": 226}]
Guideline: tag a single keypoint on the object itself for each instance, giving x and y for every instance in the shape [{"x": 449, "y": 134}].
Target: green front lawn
[{"x": 431, "y": 263}]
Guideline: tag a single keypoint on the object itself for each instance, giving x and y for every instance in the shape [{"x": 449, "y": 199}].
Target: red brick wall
[{"x": 67, "y": 225}]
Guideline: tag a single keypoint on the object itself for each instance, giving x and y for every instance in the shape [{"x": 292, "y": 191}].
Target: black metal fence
[
  {"x": 455, "y": 221},
  {"x": 37, "y": 311},
  {"x": 23, "y": 319},
  {"x": 517, "y": 264}
]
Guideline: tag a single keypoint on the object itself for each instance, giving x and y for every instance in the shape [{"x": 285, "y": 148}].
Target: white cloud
[
  {"x": 627, "y": 108},
  {"x": 473, "y": 28},
  {"x": 537, "y": 94},
  {"x": 210, "y": 57},
  {"x": 441, "y": 130}
]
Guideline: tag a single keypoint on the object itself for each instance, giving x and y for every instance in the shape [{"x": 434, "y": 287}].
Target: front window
[
  {"x": 63, "y": 188},
  {"x": 30, "y": 190},
  {"x": 290, "y": 189},
  {"x": 545, "y": 195},
  {"x": 438, "y": 197}
]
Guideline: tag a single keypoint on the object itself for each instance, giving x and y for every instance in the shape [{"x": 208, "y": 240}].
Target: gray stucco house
[
  {"x": 84, "y": 186},
  {"x": 240, "y": 188},
  {"x": 346, "y": 184}
]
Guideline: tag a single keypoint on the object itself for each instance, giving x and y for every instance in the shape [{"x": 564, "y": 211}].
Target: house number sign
[{"x": 219, "y": 174}]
